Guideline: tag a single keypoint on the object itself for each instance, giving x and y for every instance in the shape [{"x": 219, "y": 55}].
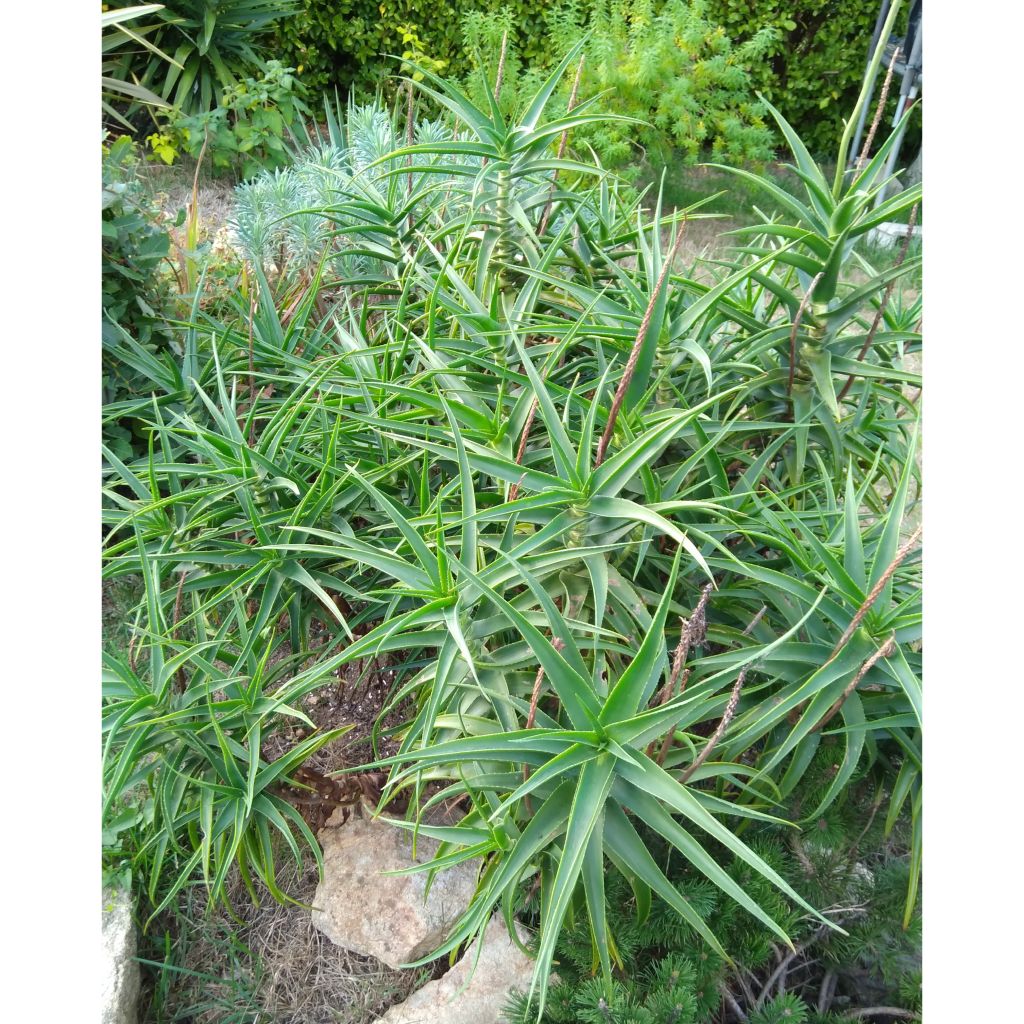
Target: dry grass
[
  {"x": 171, "y": 187},
  {"x": 269, "y": 965},
  {"x": 307, "y": 978}
]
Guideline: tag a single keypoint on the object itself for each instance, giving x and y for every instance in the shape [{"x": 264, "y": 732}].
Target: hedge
[
  {"x": 812, "y": 73},
  {"x": 816, "y": 67},
  {"x": 345, "y": 43}
]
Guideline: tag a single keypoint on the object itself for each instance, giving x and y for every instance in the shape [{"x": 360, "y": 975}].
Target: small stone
[
  {"x": 385, "y": 916},
  {"x": 502, "y": 967},
  {"x": 120, "y": 968},
  {"x": 886, "y": 236}
]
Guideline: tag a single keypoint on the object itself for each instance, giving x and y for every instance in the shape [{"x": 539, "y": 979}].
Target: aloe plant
[
  {"x": 821, "y": 229},
  {"x": 556, "y": 800},
  {"x": 514, "y": 459},
  {"x": 188, "y": 729}
]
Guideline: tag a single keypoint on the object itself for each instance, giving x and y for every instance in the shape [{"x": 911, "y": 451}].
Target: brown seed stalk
[
  {"x": 862, "y": 159},
  {"x": 666, "y": 743},
  {"x": 755, "y": 620},
  {"x": 634, "y": 355},
  {"x": 872, "y": 597},
  {"x": 883, "y": 305},
  {"x": 886, "y": 650},
  {"x": 501, "y": 66},
  {"x": 727, "y": 715},
  {"x": 513, "y": 491},
  {"x": 562, "y": 143},
  {"x": 692, "y": 632},
  {"x": 668, "y": 690}
]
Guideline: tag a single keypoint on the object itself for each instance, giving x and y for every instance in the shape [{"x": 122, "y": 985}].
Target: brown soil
[{"x": 356, "y": 700}]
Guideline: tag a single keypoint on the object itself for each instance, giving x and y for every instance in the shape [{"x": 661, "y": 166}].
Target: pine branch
[{"x": 880, "y": 1011}]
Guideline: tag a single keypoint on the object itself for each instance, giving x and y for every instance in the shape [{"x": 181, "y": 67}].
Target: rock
[
  {"x": 121, "y": 969},
  {"x": 385, "y": 916},
  {"x": 502, "y": 967},
  {"x": 886, "y": 235}
]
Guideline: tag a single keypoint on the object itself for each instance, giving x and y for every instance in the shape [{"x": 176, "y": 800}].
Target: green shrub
[
  {"x": 246, "y": 132},
  {"x": 211, "y": 43},
  {"x": 345, "y": 43},
  {"x": 816, "y": 60},
  {"x": 134, "y": 241},
  {"x": 806, "y": 57},
  {"x": 135, "y": 244},
  {"x": 665, "y": 65}
]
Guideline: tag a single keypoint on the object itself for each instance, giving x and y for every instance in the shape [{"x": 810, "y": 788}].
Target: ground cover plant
[{"x": 632, "y": 538}]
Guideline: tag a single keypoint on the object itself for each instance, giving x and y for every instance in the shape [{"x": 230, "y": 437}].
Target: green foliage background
[
  {"x": 344, "y": 43},
  {"x": 134, "y": 244},
  {"x": 811, "y": 72},
  {"x": 816, "y": 65},
  {"x": 665, "y": 66}
]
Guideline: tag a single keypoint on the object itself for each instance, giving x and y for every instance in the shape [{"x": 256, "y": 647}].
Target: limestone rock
[
  {"x": 502, "y": 967},
  {"x": 120, "y": 968},
  {"x": 385, "y": 916}
]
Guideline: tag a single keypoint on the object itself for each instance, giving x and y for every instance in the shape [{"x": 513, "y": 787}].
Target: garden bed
[{"x": 463, "y": 484}]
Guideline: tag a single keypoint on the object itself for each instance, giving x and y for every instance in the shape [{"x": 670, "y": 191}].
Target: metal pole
[
  {"x": 883, "y": 11},
  {"x": 908, "y": 93}
]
